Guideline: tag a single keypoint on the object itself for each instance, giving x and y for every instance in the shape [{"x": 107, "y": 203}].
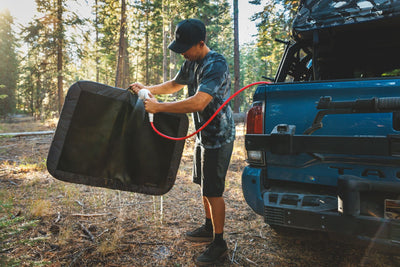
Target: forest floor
[{"x": 47, "y": 222}]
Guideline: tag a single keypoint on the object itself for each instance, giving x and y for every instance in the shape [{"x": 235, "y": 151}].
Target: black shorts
[{"x": 210, "y": 167}]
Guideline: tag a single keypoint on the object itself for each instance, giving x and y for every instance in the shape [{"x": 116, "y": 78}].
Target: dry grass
[
  {"x": 40, "y": 208},
  {"x": 111, "y": 244},
  {"x": 64, "y": 235},
  {"x": 44, "y": 221}
]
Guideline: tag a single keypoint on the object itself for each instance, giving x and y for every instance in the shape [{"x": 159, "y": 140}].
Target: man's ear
[{"x": 202, "y": 44}]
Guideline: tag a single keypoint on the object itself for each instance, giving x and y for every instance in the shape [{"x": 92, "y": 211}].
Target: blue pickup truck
[{"x": 323, "y": 140}]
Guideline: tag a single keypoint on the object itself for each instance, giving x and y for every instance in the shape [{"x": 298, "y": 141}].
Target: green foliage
[
  {"x": 12, "y": 228},
  {"x": 107, "y": 27},
  {"x": 90, "y": 48},
  {"x": 11, "y": 232},
  {"x": 395, "y": 72},
  {"x": 8, "y": 64},
  {"x": 3, "y": 96},
  {"x": 49, "y": 49},
  {"x": 273, "y": 22},
  {"x": 251, "y": 70}
]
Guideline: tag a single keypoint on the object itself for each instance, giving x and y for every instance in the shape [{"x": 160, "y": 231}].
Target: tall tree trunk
[
  {"x": 236, "y": 54},
  {"x": 97, "y": 41},
  {"x": 36, "y": 95},
  {"x": 147, "y": 80},
  {"x": 60, "y": 42},
  {"x": 172, "y": 57},
  {"x": 165, "y": 44},
  {"x": 122, "y": 73},
  {"x": 137, "y": 49}
]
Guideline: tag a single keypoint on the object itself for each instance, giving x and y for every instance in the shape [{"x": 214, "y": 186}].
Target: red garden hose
[{"x": 211, "y": 118}]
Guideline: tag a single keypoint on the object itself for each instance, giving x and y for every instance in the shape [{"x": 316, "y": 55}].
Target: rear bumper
[
  {"x": 381, "y": 231},
  {"x": 319, "y": 212}
]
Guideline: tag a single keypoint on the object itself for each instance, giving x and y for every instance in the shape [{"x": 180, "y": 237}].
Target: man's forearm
[
  {"x": 192, "y": 104},
  {"x": 168, "y": 87},
  {"x": 178, "y": 107}
]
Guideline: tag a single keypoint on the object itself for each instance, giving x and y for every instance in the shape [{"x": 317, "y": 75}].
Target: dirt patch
[{"x": 44, "y": 221}]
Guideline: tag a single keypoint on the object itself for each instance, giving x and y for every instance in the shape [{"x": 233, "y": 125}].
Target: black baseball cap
[{"x": 188, "y": 33}]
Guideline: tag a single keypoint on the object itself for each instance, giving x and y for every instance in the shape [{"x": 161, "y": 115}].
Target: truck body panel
[{"x": 329, "y": 155}]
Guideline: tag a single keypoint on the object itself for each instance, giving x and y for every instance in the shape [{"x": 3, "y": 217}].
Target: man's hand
[
  {"x": 136, "y": 87},
  {"x": 151, "y": 105}
]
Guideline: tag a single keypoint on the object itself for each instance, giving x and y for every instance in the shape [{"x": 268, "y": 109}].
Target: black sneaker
[
  {"x": 214, "y": 253},
  {"x": 201, "y": 234}
]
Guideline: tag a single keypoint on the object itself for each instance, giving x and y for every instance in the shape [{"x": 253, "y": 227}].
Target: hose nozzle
[{"x": 143, "y": 95}]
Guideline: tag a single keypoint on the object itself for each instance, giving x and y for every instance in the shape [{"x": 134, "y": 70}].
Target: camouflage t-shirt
[{"x": 210, "y": 75}]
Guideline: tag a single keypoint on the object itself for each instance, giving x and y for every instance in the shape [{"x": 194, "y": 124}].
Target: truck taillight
[
  {"x": 255, "y": 125},
  {"x": 255, "y": 119}
]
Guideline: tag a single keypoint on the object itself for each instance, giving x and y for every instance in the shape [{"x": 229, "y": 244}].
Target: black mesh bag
[{"x": 103, "y": 138}]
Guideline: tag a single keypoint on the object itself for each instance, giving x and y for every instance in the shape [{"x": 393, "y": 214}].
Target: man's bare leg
[{"x": 215, "y": 208}]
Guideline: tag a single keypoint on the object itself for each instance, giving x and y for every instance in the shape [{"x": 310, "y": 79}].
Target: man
[{"x": 206, "y": 74}]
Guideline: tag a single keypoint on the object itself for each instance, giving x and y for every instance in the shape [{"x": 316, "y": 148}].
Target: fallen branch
[
  {"x": 87, "y": 232},
  {"x": 6, "y": 250},
  {"x": 144, "y": 243},
  {"x": 7, "y": 146},
  {"x": 112, "y": 219},
  {"x": 234, "y": 251},
  {"x": 250, "y": 261},
  {"x": 80, "y": 203},
  {"x": 105, "y": 231},
  {"x": 91, "y": 215},
  {"x": 133, "y": 204},
  {"x": 11, "y": 182},
  {"x": 78, "y": 254},
  {"x": 58, "y": 217},
  {"x": 26, "y": 133}
]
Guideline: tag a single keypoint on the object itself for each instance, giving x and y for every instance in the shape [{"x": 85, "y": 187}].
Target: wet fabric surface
[{"x": 104, "y": 139}]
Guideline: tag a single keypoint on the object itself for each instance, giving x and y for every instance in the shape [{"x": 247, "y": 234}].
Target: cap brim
[{"x": 178, "y": 47}]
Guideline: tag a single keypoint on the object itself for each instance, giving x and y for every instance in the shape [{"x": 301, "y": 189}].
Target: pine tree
[
  {"x": 122, "y": 72},
  {"x": 273, "y": 23},
  {"x": 236, "y": 52},
  {"x": 108, "y": 26},
  {"x": 49, "y": 51},
  {"x": 8, "y": 64}
]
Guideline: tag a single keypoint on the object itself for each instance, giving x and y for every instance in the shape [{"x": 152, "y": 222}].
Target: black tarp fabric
[
  {"x": 319, "y": 14},
  {"x": 103, "y": 138}
]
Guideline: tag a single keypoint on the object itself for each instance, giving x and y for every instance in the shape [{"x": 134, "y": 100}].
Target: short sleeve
[
  {"x": 213, "y": 77},
  {"x": 183, "y": 76}
]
